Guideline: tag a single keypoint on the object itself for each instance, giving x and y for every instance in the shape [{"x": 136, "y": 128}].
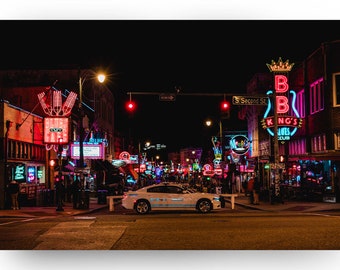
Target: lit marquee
[{"x": 91, "y": 151}]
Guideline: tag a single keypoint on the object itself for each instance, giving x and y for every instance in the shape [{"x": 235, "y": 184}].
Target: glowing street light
[{"x": 82, "y": 78}]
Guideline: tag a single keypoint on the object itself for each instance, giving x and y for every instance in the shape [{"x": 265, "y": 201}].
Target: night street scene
[{"x": 133, "y": 138}]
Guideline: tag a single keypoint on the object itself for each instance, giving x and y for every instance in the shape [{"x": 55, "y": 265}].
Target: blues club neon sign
[{"x": 288, "y": 118}]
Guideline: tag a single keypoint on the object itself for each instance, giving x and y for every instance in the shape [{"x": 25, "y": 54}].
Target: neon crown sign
[{"x": 280, "y": 66}]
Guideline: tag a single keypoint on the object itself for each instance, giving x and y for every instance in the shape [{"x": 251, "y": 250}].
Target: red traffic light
[
  {"x": 130, "y": 106},
  {"x": 225, "y": 109},
  {"x": 225, "y": 105}
]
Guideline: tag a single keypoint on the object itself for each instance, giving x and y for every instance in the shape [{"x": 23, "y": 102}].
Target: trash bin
[
  {"x": 39, "y": 200},
  {"x": 101, "y": 194},
  {"x": 46, "y": 197},
  {"x": 84, "y": 199}
]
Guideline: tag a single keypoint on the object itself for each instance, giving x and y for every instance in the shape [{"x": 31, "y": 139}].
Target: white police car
[{"x": 169, "y": 196}]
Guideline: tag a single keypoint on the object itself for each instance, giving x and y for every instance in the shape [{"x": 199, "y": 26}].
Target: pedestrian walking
[
  {"x": 244, "y": 181},
  {"x": 238, "y": 182},
  {"x": 250, "y": 189},
  {"x": 256, "y": 190},
  {"x": 60, "y": 193},
  {"x": 13, "y": 189}
]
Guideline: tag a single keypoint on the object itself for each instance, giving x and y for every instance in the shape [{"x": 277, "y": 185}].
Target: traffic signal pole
[{"x": 172, "y": 96}]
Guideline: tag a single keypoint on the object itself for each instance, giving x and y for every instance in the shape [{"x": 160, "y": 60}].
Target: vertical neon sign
[{"x": 287, "y": 123}]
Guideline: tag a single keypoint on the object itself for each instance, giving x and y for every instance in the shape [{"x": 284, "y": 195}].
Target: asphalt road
[{"x": 227, "y": 230}]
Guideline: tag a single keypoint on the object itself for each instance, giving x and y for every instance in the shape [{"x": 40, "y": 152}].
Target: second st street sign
[{"x": 247, "y": 100}]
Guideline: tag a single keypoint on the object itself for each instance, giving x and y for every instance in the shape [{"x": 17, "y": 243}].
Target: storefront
[
  {"x": 311, "y": 179},
  {"x": 31, "y": 178}
]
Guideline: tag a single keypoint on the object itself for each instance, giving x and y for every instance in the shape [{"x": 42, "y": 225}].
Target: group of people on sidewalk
[{"x": 13, "y": 189}]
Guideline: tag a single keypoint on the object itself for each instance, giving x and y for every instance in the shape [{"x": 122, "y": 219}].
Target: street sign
[
  {"x": 167, "y": 97},
  {"x": 160, "y": 146},
  {"x": 246, "y": 100}
]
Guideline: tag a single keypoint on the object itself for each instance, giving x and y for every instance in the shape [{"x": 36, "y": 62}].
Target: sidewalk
[
  {"x": 293, "y": 205},
  {"x": 241, "y": 201},
  {"x": 34, "y": 211}
]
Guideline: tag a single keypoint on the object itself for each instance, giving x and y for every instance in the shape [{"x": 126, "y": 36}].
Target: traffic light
[
  {"x": 130, "y": 106},
  {"x": 225, "y": 109},
  {"x": 225, "y": 105}
]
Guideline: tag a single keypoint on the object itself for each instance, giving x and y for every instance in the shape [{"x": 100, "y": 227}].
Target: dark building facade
[
  {"x": 310, "y": 159},
  {"x": 22, "y": 127}
]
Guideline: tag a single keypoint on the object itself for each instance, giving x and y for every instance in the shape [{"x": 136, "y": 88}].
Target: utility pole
[{"x": 276, "y": 151}]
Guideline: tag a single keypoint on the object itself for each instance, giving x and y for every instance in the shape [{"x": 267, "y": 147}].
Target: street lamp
[
  {"x": 209, "y": 122},
  {"x": 218, "y": 148},
  {"x": 82, "y": 78},
  {"x": 218, "y": 144},
  {"x": 142, "y": 156}
]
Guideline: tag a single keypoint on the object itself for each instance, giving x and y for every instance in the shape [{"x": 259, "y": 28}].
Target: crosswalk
[{"x": 79, "y": 234}]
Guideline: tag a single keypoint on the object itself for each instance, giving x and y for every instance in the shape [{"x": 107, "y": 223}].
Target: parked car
[{"x": 169, "y": 196}]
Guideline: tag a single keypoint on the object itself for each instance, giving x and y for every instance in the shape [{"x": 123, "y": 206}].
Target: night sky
[{"x": 197, "y": 56}]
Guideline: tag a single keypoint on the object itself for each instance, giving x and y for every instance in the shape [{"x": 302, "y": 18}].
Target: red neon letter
[
  {"x": 281, "y": 84},
  {"x": 282, "y": 104}
]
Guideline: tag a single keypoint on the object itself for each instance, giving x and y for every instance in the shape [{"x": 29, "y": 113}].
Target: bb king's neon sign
[{"x": 287, "y": 125}]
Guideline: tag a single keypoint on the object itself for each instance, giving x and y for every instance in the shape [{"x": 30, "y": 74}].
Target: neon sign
[
  {"x": 56, "y": 126},
  {"x": 56, "y": 130},
  {"x": 124, "y": 156},
  {"x": 19, "y": 172},
  {"x": 30, "y": 173},
  {"x": 287, "y": 125},
  {"x": 217, "y": 148},
  {"x": 55, "y": 107},
  {"x": 239, "y": 144}
]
